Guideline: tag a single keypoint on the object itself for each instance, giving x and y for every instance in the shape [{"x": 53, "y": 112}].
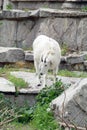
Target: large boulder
[
  {"x": 71, "y": 106},
  {"x": 11, "y": 55}
]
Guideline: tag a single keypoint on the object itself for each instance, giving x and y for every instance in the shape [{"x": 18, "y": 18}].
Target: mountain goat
[{"x": 47, "y": 55}]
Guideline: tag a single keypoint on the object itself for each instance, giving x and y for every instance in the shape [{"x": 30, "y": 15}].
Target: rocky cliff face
[{"x": 19, "y": 28}]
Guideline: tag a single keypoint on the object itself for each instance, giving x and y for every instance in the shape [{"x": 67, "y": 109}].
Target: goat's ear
[
  {"x": 45, "y": 60},
  {"x": 41, "y": 58}
]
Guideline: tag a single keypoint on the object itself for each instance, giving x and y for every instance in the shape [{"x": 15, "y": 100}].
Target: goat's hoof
[{"x": 39, "y": 85}]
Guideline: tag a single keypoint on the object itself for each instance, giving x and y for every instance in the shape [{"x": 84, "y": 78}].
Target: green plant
[
  {"x": 64, "y": 49},
  {"x": 76, "y": 74},
  {"x": 85, "y": 58},
  {"x": 43, "y": 119},
  {"x": 4, "y": 72},
  {"x": 12, "y": 112},
  {"x": 8, "y": 111},
  {"x": 26, "y": 113},
  {"x": 1, "y": 23},
  {"x": 47, "y": 94},
  {"x": 9, "y": 6},
  {"x": 84, "y": 8}
]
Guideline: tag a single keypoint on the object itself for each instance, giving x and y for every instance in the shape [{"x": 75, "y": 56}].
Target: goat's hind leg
[
  {"x": 55, "y": 71},
  {"x": 36, "y": 64}
]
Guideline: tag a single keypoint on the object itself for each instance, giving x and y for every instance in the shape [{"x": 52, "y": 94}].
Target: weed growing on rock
[
  {"x": 43, "y": 118},
  {"x": 84, "y": 9},
  {"x": 9, "y": 6}
]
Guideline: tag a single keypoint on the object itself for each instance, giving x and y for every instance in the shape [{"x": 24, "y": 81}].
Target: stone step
[
  {"x": 32, "y": 90},
  {"x": 41, "y": 12}
]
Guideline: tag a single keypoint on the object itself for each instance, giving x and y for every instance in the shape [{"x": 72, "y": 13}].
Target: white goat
[{"x": 47, "y": 55}]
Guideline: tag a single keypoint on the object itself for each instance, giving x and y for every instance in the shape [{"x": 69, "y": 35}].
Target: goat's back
[{"x": 43, "y": 44}]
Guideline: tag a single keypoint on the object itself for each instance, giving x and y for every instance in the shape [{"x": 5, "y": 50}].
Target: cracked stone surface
[
  {"x": 32, "y": 80},
  {"x": 72, "y": 104},
  {"x": 6, "y": 86},
  {"x": 65, "y": 26}
]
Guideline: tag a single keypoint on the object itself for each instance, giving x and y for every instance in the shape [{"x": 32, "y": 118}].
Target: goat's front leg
[
  {"x": 36, "y": 67},
  {"x": 44, "y": 80},
  {"x": 55, "y": 74}
]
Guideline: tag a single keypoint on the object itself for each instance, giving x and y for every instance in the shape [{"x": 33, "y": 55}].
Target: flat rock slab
[
  {"x": 6, "y": 86},
  {"x": 32, "y": 80},
  {"x": 11, "y": 55},
  {"x": 42, "y": 12}
]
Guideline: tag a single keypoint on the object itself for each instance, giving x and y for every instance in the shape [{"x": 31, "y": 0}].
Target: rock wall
[
  {"x": 20, "y": 28},
  {"x": 55, "y": 4}
]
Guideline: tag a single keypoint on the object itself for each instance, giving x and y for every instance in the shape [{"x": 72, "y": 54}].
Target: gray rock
[
  {"x": 6, "y": 86},
  {"x": 8, "y": 35},
  {"x": 85, "y": 63},
  {"x": 75, "y": 58},
  {"x": 72, "y": 104},
  {"x": 19, "y": 14},
  {"x": 23, "y": 4},
  {"x": 11, "y": 55},
  {"x": 46, "y": 12},
  {"x": 29, "y": 56}
]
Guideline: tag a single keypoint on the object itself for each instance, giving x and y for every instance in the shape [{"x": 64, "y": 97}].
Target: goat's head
[
  {"x": 45, "y": 62},
  {"x": 44, "y": 65}
]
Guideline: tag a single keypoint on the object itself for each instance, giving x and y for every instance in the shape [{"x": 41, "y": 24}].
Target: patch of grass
[
  {"x": 18, "y": 82},
  {"x": 28, "y": 49},
  {"x": 9, "y": 6},
  {"x": 5, "y": 70},
  {"x": 76, "y": 74},
  {"x": 17, "y": 126},
  {"x": 1, "y": 23},
  {"x": 84, "y": 8}
]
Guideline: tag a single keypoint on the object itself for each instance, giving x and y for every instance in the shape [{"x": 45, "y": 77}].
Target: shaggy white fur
[{"x": 47, "y": 55}]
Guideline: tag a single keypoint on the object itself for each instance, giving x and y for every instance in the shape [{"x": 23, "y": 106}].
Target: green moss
[{"x": 76, "y": 74}]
